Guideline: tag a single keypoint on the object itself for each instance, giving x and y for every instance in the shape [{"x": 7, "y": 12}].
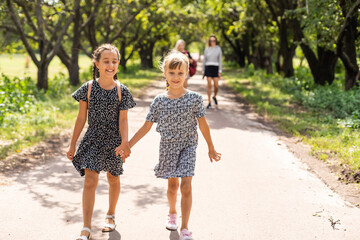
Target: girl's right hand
[{"x": 70, "y": 153}]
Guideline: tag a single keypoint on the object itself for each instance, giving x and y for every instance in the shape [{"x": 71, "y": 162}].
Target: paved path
[{"x": 258, "y": 191}]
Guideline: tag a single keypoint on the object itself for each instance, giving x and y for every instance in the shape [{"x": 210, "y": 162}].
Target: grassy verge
[
  {"x": 28, "y": 116},
  {"x": 327, "y": 117}
]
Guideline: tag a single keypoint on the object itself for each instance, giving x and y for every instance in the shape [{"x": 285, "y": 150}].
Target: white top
[{"x": 213, "y": 57}]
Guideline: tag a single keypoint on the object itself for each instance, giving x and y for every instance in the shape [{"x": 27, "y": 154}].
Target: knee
[
  {"x": 91, "y": 181},
  {"x": 185, "y": 189},
  {"x": 173, "y": 187},
  {"x": 112, "y": 179}
]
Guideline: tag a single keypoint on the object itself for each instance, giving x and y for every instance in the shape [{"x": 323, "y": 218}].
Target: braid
[{"x": 97, "y": 54}]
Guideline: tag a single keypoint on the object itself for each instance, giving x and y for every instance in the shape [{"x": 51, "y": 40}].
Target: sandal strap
[
  {"x": 109, "y": 225},
  {"x": 86, "y": 229},
  {"x": 110, "y": 217},
  {"x": 82, "y": 237}
]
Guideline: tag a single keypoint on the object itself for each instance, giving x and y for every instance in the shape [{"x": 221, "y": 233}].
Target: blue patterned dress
[
  {"x": 177, "y": 124},
  {"x": 96, "y": 150}
]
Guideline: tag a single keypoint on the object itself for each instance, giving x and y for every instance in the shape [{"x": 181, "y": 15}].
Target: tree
[
  {"x": 41, "y": 25},
  {"x": 287, "y": 45},
  {"x": 71, "y": 61},
  {"x": 116, "y": 23},
  {"x": 346, "y": 41},
  {"x": 318, "y": 19}
]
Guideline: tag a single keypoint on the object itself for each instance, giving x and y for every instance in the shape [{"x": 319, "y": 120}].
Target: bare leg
[
  {"x": 216, "y": 86},
  {"x": 114, "y": 192},
  {"x": 173, "y": 186},
  {"x": 209, "y": 83},
  {"x": 90, "y": 184},
  {"x": 186, "y": 201}
]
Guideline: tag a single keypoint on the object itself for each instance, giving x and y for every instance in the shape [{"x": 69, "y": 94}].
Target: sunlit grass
[
  {"x": 55, "y": 111},
  {"x": 327, "y": 138}
]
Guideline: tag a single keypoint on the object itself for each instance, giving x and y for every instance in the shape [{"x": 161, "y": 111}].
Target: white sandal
[
  {"x": 109, "y": 227},
  {"x": 83, "y": 237}
]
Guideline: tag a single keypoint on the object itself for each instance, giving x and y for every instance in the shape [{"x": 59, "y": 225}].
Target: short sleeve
[
  {"x": 81, "y": 93},
  {"x": 127, "y": 100},
  {"x": 199, "y": 109},
  {"x": 153, "y": 114}
]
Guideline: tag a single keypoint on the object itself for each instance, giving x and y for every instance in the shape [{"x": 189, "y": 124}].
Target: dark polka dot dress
[
  {"x": 177, "y": 124},
  {"x": 96, "y": 150}
]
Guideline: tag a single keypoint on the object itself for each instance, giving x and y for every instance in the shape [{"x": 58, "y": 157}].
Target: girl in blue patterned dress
[
  {"x": 105, "y": 102},
  {"x": 177, "y": 113}
]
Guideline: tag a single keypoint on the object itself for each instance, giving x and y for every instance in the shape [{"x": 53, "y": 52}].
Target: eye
[
  {"x": 115, "y": 62},
  {"x": 106, "y": 62}
]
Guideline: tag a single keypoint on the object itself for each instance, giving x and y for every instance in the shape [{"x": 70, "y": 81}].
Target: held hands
[
  {"x": 70, "y": 153},
  {"x": 123, "y": 150},
  {"x": 213, "y": 155}
]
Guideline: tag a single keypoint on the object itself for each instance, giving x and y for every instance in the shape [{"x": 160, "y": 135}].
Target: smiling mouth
[{"x": 110, "y": 71}]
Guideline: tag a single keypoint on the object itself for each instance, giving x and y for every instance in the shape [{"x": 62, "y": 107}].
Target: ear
[{"x": 97, "y": 64}]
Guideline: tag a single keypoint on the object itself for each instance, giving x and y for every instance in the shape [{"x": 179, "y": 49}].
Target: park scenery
[{"x": 285, "y": 117}]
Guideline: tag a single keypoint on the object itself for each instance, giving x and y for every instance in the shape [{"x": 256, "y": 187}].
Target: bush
[{"x": 20, "y": 96}]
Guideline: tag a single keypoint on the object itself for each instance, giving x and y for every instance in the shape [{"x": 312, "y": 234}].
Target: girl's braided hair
[{"x": 97, "y": 54}]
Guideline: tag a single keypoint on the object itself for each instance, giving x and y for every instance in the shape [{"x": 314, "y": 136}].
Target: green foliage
[{"x": 326, "y": 117}]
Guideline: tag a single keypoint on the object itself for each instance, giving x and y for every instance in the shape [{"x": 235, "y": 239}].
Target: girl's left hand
[
  {"x": 213, "y": 155},
  {"x": 123, "y": 150}
]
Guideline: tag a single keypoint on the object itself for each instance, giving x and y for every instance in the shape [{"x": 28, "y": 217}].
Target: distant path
[{"x": 258, "y": 191}]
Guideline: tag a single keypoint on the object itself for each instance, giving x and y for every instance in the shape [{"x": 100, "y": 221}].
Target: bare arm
[
  {"x": 79, "y": 125},
  {"x": 205, "y": 130},
  {"x": 140, "y": 133},
  {"x": 124, "y": 132}
]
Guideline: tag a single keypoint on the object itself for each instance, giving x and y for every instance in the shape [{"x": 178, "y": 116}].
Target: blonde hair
[
  {"x": 180, "y": 41},
  {"x": 174, "y": 60}
]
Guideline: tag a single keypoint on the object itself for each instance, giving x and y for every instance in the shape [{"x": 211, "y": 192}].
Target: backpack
[{"x": 192, "y": 68}]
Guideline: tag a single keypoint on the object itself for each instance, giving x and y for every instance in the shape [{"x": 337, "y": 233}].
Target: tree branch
[
  {"x": 91, "y": 16},
  {"x": 63, "y": 31},
  {"x": 27, "y": 15},
  {"x": 129, "y": 20},
  {"x": 21, "y": 33}
]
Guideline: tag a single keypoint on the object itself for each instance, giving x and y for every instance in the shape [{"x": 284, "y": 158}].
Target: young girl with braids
[
  {"x": 105, "y": 102},
  {"x": 177, "y": 113}
]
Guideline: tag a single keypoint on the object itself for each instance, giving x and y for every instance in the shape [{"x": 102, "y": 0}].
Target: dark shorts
[{"x": 211, "y": 71}]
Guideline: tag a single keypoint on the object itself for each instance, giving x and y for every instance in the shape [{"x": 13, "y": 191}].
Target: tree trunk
[
  {"x": 323, "y": 66},
  {"x": 146, "y": 54},
  {"x": 349, "y": 49},
  {"x": 345, "y": 45},
  {"x": 287, "y": 50},
  {"x": 74, "y": 66},
  {"x": 42, "y": 75},
  {"x": 122, "y": 54}
]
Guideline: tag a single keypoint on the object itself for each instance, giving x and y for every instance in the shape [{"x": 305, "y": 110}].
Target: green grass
[
  {"x": 14, "y": 66},
  {"x": 288, "y": 104},
  {"x": 30, "y": 116}
]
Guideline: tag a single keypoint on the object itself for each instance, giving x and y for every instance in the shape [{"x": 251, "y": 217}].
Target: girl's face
[
  {"x": 176, "y": 77},
  {"x": 213, "y": 41},
  {"x": 108, "y": 64},
  {"x": 181, "y": 47}
]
